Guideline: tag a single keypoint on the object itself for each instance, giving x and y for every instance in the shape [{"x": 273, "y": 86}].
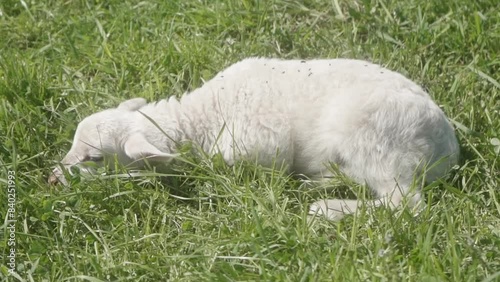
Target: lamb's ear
[
  {"x": 132, "y": 104},
  {"x": 137, "y": 147}
]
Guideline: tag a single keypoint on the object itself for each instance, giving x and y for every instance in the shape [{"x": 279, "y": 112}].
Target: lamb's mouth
[{"x": 57, "y": 175}]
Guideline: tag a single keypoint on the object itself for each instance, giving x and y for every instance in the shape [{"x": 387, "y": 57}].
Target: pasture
[{"x": 63, "y": 60}]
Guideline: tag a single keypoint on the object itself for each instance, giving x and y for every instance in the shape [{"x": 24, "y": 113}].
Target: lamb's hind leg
[{"x": 336, "y": 209}]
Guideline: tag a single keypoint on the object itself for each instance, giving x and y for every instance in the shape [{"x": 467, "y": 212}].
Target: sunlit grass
[{"x": 63, "y": 60}]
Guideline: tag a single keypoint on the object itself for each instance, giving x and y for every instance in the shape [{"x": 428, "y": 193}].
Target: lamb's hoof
[{"x": 321, "y": 208}]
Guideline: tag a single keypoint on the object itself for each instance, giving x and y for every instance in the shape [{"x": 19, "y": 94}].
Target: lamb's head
[{"x": 109, "y": 136}]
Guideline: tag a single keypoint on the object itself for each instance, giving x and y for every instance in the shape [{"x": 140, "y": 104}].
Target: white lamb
[{"x": 376, "y": 125}]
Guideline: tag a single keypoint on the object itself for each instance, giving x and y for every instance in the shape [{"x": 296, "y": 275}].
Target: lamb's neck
[{"x": 181, "y": 121}]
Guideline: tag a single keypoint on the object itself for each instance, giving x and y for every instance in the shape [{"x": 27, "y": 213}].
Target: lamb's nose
[
  {"x": 53, "y": 180},
  {"x": 57, "y": 177}
]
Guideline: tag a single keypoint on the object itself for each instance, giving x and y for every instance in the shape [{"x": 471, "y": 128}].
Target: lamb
[{"x": 377, "y": 126}]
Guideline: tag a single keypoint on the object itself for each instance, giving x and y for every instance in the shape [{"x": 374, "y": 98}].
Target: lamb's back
[{"x": 293, "y": 87}]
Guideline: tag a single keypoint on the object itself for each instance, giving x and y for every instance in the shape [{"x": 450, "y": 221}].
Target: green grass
[{"x": 63, "y": 60}]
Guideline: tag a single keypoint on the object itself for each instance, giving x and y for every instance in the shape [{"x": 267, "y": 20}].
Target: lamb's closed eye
[
  {"x": 92, "y": 158},
  {"x": 96, "y": 158}
]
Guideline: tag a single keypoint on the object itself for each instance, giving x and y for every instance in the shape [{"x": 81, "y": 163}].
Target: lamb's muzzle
[{"x": 53, "y": 179}]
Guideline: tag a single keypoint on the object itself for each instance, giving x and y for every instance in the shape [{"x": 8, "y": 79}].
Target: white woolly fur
[{"x": 377, "y": 126}]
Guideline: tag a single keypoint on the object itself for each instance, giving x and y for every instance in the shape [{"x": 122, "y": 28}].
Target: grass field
[{"x": 63, "y": 60}]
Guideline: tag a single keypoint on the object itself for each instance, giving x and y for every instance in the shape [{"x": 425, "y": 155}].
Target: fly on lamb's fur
[{"x": 379, "y": 127}]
